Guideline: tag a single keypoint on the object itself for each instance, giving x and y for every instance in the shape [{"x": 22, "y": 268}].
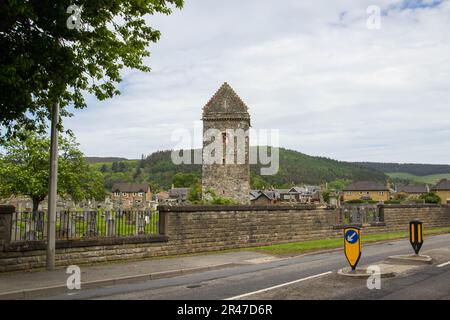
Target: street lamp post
[
  {"x": 51, "y": 226},
  {"x": 73, "y": 22}
]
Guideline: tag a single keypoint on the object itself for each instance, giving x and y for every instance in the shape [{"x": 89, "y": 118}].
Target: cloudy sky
[{"x": 311, "y": 69}]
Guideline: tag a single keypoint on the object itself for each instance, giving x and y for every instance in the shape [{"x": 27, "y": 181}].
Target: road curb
[
  {"x": 53, "y": 290},
  {"x": 410, "y": 259},
  {"x": 362, "y": 273}
]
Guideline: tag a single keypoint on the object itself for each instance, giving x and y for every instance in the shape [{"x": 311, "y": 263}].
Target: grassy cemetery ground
[{"x": 76, "y": 224}]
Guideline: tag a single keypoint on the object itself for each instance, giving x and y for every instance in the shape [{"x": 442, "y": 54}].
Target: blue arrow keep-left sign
[{"x": 351, "y": 236}]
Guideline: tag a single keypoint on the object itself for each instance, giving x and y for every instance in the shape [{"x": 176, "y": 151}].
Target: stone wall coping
[
  {"x": 65, "y": 244},
  {"x": 218, "y": 208},
  {"x": 401, "y": 206},
  {"x": 7, "y": 209},
  {"x": 359, "y": 225},
  {"x": 276, "y": 207}
]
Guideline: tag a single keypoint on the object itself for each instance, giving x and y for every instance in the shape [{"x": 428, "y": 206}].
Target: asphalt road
[{"x": 426, "y": 282}]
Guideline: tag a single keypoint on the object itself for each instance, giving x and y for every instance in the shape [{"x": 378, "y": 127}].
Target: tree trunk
[{"x": 36, "y": 202}]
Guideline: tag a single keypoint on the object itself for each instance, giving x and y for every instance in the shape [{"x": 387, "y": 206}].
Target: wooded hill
[
  {"x": 411, "y": 168},
  {"x": 295, "y": 168}
]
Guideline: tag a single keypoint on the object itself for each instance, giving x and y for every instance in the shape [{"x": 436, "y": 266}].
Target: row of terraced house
[
  {"x": 368, "y": 190},
  {"x": 129, "y": 194}
]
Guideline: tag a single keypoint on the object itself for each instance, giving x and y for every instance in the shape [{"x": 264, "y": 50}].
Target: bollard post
[{"x": 416, "y": 235}]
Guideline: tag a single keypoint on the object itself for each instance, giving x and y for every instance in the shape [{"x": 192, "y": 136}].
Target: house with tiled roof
[
  {"x": 299, "y": 194},
  {"x": 263, "y": 197},
  {"x": 442, "y": 189},
  {"x": 283, "y": 196},
  {"x": 162, "y": 197},
  {"x": 367, "y": 190},
  {"x": 178, "y": 194},
  {"x": 413, "y": 190},
  {"x": 254, "y": 194},
  {"x": 127, "y": 195}
]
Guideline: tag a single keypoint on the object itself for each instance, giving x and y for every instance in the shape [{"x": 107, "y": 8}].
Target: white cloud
[{"x": 331, "y": 86}]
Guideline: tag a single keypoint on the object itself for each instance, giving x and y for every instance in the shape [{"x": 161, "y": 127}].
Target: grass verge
[{"x": 314, "y": 245}]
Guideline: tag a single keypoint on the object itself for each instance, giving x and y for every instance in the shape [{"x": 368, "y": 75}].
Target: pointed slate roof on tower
[{"x": 225, "y": 104}]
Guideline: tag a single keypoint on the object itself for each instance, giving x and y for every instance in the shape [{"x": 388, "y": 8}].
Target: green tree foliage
[
  {"x": 326, "y": 195},
  {"x": 195, "y": 193},
  {"x": 104, "y": 168},
  {"x": 258, "y": 183},
  {"x": 184, "y": 180},
  {"x": 298, "y": 168},
  {"x": 159, "y": 168},
  {"x": 119, "y": 171},
  {"x": 139, "y": 168},
  {"x": 42, "y": 60},
  {"x": 355, "y": 201},
  {"x": 429, "y": 198},
  {"x": 102, "y": 160},
  {"x": 24, "y": 168},
  {"x": 125, "y": 171},
  {"x": 191, "y": 181},
  {"x": 334, "y": 186},
  {"x": 295, "y": 169},
  {"x": 212, "y": 198},
  {"x": 223, "y": 201},
  {"x": 119, "y": 167},
  {"x": 339, "y": 184}
]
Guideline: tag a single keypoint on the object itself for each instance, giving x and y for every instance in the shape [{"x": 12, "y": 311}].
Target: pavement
[
  {"x": 251, "y": 275},
  {"x": 19, "y": 285}
]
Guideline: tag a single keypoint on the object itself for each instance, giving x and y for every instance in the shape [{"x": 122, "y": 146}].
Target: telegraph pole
[{"x": 51, "y": 225}]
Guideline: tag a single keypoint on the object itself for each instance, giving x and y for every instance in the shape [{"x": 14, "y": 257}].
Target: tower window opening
[{"x": 224, "y": 142}]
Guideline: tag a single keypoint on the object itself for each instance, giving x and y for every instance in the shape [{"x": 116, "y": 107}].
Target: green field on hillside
[{"x": 430, "y": 179}]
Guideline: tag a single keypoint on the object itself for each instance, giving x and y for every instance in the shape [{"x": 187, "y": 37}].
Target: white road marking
[
  {"x": 278, "y": 286},
  {"x": 350, "y": 238},
  {"x": 443, "y": 264}
]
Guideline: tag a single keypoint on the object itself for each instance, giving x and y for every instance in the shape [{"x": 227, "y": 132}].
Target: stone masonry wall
[
  {"x": 208, "y": 228},
  {"x": 229, "y": 180},
  {"x": 397, "y": 217}
]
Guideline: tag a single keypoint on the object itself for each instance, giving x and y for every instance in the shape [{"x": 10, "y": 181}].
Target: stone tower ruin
[{"x": 225, "y": 168}]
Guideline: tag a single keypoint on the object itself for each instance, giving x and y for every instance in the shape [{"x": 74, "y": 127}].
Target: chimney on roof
[{"x": 389, "y": 184}]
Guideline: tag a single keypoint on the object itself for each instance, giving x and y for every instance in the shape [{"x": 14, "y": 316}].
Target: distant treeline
[
  {"x": 295, "y": 168},
  {"x": 92, "y": 160},
  {"x": 412, "y": 168}
]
